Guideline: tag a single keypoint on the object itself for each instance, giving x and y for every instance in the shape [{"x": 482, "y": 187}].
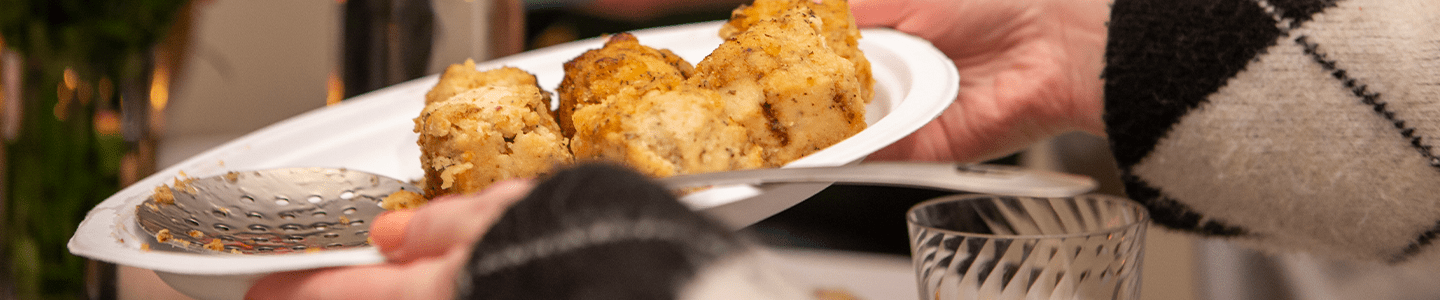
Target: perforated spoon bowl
[{"x": 272, "y": 211}]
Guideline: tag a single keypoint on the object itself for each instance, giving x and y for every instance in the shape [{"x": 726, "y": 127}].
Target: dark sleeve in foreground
[{"x": 594, "y": 232}]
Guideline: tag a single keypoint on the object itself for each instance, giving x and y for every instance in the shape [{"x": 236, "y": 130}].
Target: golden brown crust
[
  {"x": 623, "y": 68},
  {"x": 781, "y": 81},
  {"x": 402, "y": 200},
  {"x": 459, "y": 78},
  {"x": 665, "y": 132},
  {"x": 834, "y": 294},
  {"x": 485, "y": 135},
  {"x": 788, "y": 81},
  {"x": 838, "y": 27}
]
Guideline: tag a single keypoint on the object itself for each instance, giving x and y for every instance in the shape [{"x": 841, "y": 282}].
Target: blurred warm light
[
  {"x": 160, "y": 87},
  {"x": 70, "y": 78},
  {"x": 107, "y": 122},
  {"x": 334, "y": 89},
  {"x": 65, "y": 95}
]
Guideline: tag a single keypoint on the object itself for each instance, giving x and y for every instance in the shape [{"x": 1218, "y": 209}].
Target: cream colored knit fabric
[{"x": 1326, "y": 141}]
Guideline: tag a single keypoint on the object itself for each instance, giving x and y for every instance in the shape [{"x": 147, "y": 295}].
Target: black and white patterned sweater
[{"x": 1291, "y": 125}]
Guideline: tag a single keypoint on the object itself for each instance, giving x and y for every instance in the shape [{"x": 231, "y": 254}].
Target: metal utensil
[
  {"x": 267, "y": 211},
  {"x": 974, "y": 178},
  {"x": 754, "y": 206},
  {"x": 308, "y": 209}
]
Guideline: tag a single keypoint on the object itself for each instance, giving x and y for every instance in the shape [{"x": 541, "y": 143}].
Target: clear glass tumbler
[{"x": 1005, "y": 247}]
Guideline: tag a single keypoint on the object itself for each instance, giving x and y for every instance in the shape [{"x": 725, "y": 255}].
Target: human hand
[
  {"x": 424, "y": 249},
  {"x": 1029, "y": 70}
]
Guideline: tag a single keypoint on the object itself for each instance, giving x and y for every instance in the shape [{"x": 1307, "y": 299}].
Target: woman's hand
[
  {"x": 1029, "y": 70},
  {"x": 424, "y": 249}
]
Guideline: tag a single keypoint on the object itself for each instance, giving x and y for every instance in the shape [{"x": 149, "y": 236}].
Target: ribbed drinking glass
[{"x": 1004, "y": 247}]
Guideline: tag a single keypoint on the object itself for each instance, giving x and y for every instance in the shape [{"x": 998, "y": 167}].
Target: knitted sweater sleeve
[{"x": 1309, "y": 125}]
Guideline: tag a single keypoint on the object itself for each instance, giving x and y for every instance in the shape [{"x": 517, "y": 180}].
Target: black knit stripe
[
  {"x": 1175, "y": 214},
  {"x": 1165, "y": 57},
  {"x": 1373, "y": 99},
  {"x": 1300, "y": 11},
  {"x": 1421, "y": 242}
]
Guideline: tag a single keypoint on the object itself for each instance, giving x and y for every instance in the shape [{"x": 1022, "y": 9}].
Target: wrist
[{"x": 1086, "y": 41}]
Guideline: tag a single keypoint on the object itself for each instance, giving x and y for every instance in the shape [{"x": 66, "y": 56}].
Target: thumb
[
  {"x": 446, "y": 222},
  {"x": 942, "y": 22},
  {"x": 879, "y": 13}
]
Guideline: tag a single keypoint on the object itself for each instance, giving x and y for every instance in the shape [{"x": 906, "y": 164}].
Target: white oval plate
[{"x": 372, "y": 133}]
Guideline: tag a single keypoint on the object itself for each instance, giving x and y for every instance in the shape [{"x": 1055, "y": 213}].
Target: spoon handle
[{"x": 975, "y": 178}]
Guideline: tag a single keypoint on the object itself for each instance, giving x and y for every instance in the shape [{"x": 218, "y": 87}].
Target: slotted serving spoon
[
  {"x": 309, "y": 209},
  {"x": 269, "y": 213},
  {"x": 266, "y": 211}
]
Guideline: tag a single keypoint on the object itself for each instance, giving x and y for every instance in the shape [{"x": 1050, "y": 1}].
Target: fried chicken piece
[
  {"x": 780, "y": 81},
  {"x": 488, "y": 134},
  {"x": 402, "y": 200},
  {"x": 622, "y": 68},
  {"x": 664, "y": 133},
  {"x": 459, "y": 78},
  {"x": 838, "y": 26}
]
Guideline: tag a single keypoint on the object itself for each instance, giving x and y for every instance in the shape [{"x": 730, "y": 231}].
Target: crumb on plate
[
  {"x": 164, "y": 195},
  {"x": 215, "y": 244},
  {"x": 163, "y": 236},
  {"x": 182, "y": 183}
]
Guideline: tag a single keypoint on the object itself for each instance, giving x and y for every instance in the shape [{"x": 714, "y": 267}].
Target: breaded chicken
[
  {"x": 779, "y": 80},
  {"x": 838, "y": 26},
  {"x": 776, "y": 90},
  {"x": 459, "y": 78},
  {"x": 488, "y": 134},
  {"x": 665, "y": 132},
  {"x": 622, "y": 68}
]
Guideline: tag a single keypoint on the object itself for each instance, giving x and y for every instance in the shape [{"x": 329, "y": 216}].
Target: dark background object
[{"x": 385, "y": 42}]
